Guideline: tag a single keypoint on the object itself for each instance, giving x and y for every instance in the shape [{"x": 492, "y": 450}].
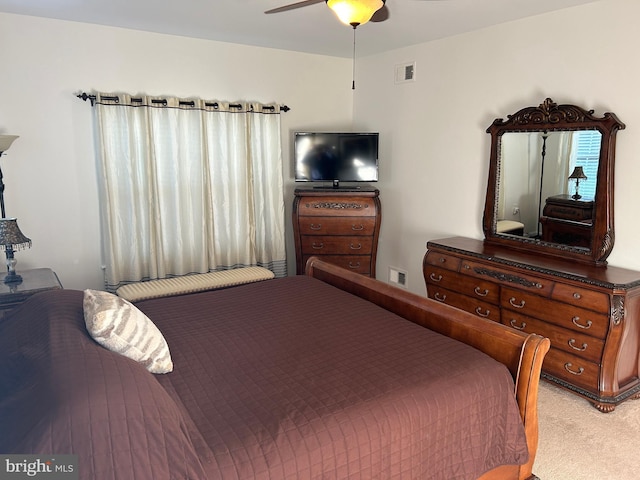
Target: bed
[{"x": 327, "y": 375}]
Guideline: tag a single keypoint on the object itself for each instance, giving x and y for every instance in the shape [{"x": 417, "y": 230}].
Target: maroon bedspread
[{"x": 283, "y": 379}]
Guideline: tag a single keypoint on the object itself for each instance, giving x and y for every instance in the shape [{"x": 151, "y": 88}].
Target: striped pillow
[{"x": 120, "y": 327}]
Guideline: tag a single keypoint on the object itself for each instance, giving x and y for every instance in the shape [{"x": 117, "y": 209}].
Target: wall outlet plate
[{"x": 398, "y": 277}]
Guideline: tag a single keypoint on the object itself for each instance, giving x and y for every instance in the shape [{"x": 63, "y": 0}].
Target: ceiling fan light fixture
[{"x": 355, "y": 12}]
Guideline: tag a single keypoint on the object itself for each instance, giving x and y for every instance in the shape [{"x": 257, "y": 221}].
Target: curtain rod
[{"x": 92, "y": 98}]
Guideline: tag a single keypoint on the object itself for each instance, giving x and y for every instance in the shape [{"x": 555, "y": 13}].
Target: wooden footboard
[{"x": 521, "y": 353}]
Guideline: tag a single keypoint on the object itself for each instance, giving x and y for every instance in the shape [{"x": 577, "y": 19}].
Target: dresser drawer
[
  {"x": 344, "y": 245},
  {"x": 581, "y": 297},
  {"x": 442, "y": 260},
  {"x": 355, "y": 263},
  {"x": 564, "y": 315},
  {"x": 468, "y": 304},
  {"x": 570, "y": 341},
  {"x": 529, "y": 283},
  {"x": 337, "y": 225},
  {"x": 337, "y": 206},
  {"x": 573, "y": 369},
  {"x": 472, "y": 287}
]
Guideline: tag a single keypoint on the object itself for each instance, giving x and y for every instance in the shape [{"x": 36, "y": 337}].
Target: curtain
[{"x": 188, "y": 186}]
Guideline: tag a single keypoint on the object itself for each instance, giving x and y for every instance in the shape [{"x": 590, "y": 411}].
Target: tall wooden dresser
[
  {"x": 340, "y": 225},
  {"x": 591, "y": 314}
]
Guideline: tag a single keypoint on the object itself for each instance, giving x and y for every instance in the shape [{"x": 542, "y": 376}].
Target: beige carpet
[{"x": 577, "y": 442}]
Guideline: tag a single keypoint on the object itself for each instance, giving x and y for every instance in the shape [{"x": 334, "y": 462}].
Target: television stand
[{"x": 335, "y": 185}]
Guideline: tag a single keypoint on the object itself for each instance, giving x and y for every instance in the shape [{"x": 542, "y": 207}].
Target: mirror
[
  {"x": 550, "y": 187},
  {"x": 537, "y": 172}
]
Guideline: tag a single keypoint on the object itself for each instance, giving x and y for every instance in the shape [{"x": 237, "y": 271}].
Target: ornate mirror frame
[{"x": 550, "y": 117}]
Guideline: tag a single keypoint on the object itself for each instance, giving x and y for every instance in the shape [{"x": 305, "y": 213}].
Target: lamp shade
[
  {"x": 578, "y": 173},
  {"x": 11, "y": 236},
  {"x": 355, "y": 12},
  {"x": 5, "y": 142}
]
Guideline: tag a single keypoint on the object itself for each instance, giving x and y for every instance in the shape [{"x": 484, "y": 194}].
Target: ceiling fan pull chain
[{"x": 353, "y": 81}]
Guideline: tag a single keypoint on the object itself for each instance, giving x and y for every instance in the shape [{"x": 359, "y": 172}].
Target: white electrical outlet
[{"x": 398, "y": 277}]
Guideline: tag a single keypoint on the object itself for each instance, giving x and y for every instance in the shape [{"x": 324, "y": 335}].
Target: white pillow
[{"x": 120, "y": 327}]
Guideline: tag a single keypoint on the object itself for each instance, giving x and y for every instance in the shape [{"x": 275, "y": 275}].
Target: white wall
[
  {"x": 434, "y": 149},
  {"x": 49, "y": 171}
]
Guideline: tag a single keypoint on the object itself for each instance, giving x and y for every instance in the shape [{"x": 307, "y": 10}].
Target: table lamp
[
  {"x": 11, "y": 238},
  {"x": 577, "y": 175}
]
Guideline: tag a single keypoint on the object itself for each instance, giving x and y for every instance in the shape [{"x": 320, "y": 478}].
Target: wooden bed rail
[{"x": 522, "y": 353}]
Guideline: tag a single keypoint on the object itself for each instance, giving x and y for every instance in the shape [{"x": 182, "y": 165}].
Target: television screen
[{"x": 336, "y": 157}]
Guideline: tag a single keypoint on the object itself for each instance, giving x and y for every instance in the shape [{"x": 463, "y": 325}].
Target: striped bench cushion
[{"x": 192, "y": 283}]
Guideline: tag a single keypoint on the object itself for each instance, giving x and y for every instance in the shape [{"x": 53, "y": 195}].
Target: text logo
[{"x": 49, "y": 467}]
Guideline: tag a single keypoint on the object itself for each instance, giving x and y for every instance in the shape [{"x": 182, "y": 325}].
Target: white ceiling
[{"x": 312, "y": 29}]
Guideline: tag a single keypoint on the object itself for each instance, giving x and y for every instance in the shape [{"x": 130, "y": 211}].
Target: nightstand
[
  {"x": 568, "y": 221},
  {"x": 33, "y": 281}
]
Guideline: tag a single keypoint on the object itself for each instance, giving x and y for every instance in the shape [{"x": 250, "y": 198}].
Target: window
[
  {"x": 188, "y": 187},
  {"x": 585, "y": 152}
]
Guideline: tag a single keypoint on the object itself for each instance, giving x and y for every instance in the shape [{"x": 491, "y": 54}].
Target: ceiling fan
[{"x": 350, "y": 12}]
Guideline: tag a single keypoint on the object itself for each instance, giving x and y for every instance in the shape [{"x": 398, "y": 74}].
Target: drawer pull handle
[
  {"x": 317, "y": 246},
  {"x": 512, "y": 301},
  {"x": 435, "y": 278},
  {"x": 568, "y": 368},
  {"x": 439, "y": 297},
  {"x": 355, "y": 247},
  {"x": 466, "y": 267},
  {"x": 481, "y": 293},
  {"x": 357, "y": 228},
  {"x": 577, "y": 296},
  {"x": 315, "y": 226},
  {"x": 484, "y": 314},
  {"x": 518, "y": 327},
  {"x": 354, "y": 265},
  {"x": 572, "y": 344},
  {"x": 442, "y": 260},
  {"x": 585, "y": 326}
]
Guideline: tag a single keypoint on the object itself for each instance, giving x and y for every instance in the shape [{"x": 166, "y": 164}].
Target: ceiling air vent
[{"x": 405, "y": 72}]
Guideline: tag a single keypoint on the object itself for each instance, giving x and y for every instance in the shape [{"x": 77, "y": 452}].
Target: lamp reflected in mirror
[{"x": 577, "y": 175}]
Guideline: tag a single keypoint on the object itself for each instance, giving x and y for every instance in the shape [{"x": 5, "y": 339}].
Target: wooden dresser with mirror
[{"x": 551, "y": 277}]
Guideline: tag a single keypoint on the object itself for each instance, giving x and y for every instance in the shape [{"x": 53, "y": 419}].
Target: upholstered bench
[
  {"x": 510, "y": 226},
  {"x": 192, "y": 283}
]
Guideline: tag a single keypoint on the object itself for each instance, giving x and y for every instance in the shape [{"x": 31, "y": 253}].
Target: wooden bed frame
[{"x": 521, "y": 353}]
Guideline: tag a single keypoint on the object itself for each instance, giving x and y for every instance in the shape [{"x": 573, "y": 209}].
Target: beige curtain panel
[{"x": 188, "y": 186}]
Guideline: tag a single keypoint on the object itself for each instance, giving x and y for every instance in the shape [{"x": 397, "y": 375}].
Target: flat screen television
[{"x": 336, "y": 157}]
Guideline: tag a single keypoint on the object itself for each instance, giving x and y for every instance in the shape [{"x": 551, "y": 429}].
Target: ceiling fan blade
[
  {"x": 293, "y": 6},
  {"x": 381, "y": 14}
]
